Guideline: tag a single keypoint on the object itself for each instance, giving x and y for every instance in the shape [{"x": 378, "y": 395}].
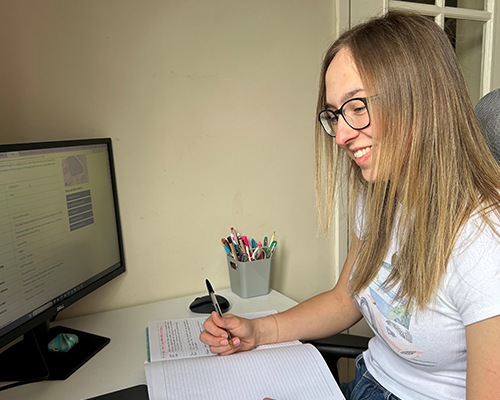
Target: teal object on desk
[{"x": 63, "y": 343}]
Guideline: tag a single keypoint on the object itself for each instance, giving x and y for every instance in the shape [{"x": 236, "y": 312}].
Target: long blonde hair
[{"x": 434, "y": 169}]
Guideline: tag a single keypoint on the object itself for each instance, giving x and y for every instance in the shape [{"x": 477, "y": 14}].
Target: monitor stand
[{"x": 31, "y": 361}]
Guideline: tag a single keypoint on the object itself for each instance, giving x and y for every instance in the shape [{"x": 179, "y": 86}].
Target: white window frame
[{"x": 440, "y": 12}]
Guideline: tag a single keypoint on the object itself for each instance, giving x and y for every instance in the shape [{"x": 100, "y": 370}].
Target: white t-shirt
[{"x": 423, "y": 355}]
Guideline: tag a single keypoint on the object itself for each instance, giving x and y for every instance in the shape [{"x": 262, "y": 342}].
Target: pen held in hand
[{"x": 218, "y": 309}]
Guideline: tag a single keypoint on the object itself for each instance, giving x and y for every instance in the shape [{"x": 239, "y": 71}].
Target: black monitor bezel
[{"x": 53, "y": 310}]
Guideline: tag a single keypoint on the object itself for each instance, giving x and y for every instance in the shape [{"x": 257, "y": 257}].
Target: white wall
[{"x": 211, "y": 107}]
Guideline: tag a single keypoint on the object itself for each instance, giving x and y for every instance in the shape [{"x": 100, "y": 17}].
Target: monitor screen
[{"x": 60, "y": 235}]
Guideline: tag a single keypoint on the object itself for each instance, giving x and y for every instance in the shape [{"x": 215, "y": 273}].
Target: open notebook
[{"x": 181, "y": 367}]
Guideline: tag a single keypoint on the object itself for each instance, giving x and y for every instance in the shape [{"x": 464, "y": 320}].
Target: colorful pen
[
  {"x": 242, "y": 245},
  {"x": 249, "y": 254},
  {"x": 227, "y": 247},
  {"x": 257, "y": 254},
  {"x": 234, "y": 235},
  {"x": 271, "y": 249},
  {"x": 233, "y": 250},
  {"x": 217, "y": 309}
]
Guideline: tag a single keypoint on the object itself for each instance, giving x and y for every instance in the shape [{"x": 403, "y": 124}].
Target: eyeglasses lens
[{"x": 354, "y": 113}]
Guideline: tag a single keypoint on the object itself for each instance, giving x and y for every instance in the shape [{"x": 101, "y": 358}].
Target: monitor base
[{"x": 30, "y": 360}]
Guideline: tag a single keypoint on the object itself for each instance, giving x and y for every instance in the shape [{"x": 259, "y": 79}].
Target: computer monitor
[{"x": 60, "y": 239}]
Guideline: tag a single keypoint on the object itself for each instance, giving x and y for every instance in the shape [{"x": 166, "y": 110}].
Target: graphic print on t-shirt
[{"x": 388, "y": 316}]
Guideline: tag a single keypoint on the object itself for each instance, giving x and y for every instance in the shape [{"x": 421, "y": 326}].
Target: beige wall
[{"x": 211, "y": 108}]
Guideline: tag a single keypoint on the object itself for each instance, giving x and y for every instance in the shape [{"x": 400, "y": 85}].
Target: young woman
[{"x": 396, "y": 122}]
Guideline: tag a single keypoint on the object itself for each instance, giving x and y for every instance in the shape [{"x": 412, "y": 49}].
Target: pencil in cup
[{"x": 243, "y": 251}]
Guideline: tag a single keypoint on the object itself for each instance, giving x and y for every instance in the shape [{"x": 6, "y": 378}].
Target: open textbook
[{"x": 181, "y": 367}]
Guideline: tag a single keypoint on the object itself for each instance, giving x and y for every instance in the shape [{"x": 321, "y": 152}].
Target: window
[{"x": 469, "y": 26}]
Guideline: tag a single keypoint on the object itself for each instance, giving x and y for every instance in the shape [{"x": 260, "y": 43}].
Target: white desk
[{"x": 121, "y": 363}]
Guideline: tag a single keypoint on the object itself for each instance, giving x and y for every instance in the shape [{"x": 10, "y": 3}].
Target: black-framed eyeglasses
[{"x": 354, "y": 111}]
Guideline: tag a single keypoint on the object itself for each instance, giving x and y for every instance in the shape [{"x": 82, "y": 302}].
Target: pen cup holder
[{"x": 250, "y": 278}]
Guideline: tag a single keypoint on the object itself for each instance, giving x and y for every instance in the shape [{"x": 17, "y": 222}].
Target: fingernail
[
  {"x": 224, "y": 342},
  {"x": 236, "y": 342}
]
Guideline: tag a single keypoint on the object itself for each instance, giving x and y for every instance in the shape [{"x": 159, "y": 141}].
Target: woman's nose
[{"x": 344, "y": 132}]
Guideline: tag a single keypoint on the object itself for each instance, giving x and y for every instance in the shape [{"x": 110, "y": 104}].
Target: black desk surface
[{"x": 139, "y": 392}]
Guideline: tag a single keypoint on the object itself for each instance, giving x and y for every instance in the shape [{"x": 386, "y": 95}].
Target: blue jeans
[{"x": 364, "y": 386}]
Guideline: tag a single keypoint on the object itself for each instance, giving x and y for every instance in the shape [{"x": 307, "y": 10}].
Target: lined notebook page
[
  {"x": 285, "y": 373},
  {"x": 179, "y": 338}
]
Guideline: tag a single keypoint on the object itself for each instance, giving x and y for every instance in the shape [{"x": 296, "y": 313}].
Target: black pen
[{"x": 217, "y": 308}]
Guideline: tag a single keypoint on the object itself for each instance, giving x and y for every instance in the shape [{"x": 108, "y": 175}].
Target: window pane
[
  {"x": 433, "y": 2},
  {"x": 467, "y": 39},
  {"x": 470, "y": 4}
]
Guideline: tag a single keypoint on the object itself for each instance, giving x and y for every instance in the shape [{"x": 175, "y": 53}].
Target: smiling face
[{"x": 342, "y": 83}]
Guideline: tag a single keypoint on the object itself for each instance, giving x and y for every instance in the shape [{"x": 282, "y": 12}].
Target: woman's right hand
[{"x": 243, "y": 331}]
